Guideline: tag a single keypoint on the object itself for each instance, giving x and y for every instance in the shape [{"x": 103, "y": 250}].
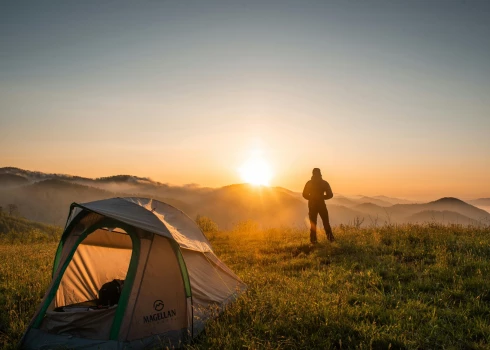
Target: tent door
[{"x": 105, "y": 251}]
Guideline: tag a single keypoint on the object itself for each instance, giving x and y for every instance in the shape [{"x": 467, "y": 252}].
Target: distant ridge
[
  {"x": 368, "y": 205},
  {"x": 7, "y": 180},
  {"x": 393, "y": 200},
  {"x": 445, "y": 216},
  {"x": 377, "y": 201},
  {"x": 480, "y": 201},
  {"x": 125, "y": 178},
  {"x": 36, "y": 175},
  {"x": 450, "y": 200},
  {"x": 339, "y": 200},
  {"x": 56, "y": 182},
  {"x": 447, "y": 204},
  {"x": 47, "y": 197}
]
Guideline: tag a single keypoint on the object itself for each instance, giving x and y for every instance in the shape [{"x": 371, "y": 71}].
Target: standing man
[{"x": 316, "y": 192}]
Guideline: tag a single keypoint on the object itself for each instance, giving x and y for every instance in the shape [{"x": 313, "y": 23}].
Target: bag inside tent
[{"x": 102, "y": 257}]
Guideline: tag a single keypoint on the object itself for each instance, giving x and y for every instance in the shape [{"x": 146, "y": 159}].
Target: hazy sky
[{"x": 386, "y": 97}]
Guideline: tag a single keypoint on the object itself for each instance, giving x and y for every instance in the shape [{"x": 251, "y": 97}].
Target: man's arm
[
  {"x": 306, "y": 191},
  {"x": 328, "y": 190}
]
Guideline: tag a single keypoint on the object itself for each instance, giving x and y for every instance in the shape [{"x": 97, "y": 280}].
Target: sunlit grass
[
  {"x": 400, "y": 286},
  {"x": 412, "y": 286},
  {"x": 25, "y": 272}
]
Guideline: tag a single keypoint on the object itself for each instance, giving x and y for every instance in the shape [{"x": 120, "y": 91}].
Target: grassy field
[{"x": 408, "y": 287}]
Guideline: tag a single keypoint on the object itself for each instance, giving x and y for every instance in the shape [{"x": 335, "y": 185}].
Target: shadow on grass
[
  {"x": 355, "y": 256},
  {"x": 305, "y": 249},
  {"x": 327, "y": 253}
]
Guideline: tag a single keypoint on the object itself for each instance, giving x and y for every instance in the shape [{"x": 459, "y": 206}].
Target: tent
[{"x": 173, "y": 281}]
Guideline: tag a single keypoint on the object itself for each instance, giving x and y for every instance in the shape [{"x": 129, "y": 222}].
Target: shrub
[
  {"x": 246, "y": 226},
  {"x": 206, "y": 224}
]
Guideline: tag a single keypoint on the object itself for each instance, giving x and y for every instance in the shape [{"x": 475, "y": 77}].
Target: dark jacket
[{"x": 317, "y": 190}]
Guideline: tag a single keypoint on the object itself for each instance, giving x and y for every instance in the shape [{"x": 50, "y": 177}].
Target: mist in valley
[{"x": 47, "y": 197}]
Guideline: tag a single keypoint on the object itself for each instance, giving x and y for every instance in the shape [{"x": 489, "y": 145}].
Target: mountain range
[{"x": 46, "y": 198}]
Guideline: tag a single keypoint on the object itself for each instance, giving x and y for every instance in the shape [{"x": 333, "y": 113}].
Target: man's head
[{"x": 317, "y": 172}]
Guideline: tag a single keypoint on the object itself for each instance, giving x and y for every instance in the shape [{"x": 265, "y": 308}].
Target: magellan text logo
[{"x": 160, "y": 314}]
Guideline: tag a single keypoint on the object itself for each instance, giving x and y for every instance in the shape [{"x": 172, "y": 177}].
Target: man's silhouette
[{"x": 316, "y": 192}]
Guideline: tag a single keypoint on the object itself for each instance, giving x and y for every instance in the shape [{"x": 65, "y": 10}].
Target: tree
[
  {"x": 13, "y": 210},
  {"x": 206, "y": 224}
]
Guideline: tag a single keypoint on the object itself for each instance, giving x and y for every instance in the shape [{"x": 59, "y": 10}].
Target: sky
[{"x": 386, "y": 97}]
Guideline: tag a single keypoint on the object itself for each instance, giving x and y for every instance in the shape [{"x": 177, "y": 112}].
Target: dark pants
[{"x": 314, "y": 210}]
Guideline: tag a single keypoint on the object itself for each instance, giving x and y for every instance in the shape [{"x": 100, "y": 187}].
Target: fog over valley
[{"x": 46, "y": 198}]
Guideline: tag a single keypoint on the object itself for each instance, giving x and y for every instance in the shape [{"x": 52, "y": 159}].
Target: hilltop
[
  {"x": 14, "y": 229},
  {"x": 387, "y": 287}
]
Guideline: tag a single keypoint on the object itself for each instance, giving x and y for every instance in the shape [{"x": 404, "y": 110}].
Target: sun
[{"x": 256, "y": 171}]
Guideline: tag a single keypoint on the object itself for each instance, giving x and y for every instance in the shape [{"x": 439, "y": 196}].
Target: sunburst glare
[{"x": 256, "y": 171}]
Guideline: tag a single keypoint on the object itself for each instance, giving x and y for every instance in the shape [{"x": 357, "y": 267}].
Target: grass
[
  {"x": 405, "y": 287},
  {"x": 15, "y": 229},
  {"x": 398, "y": 287},
  {"x": 25, "y": 272}
]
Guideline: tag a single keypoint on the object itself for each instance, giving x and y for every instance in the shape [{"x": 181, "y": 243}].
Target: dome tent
[{"x": 173, "y": 281}]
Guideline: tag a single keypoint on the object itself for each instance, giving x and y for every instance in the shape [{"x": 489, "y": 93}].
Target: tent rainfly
[{"x": 172, "y": 280}]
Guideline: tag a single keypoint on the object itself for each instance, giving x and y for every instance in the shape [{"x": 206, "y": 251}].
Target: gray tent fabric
[
  {"x": 153, "y": 216},
  {"x": 173, "y": 281}
]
